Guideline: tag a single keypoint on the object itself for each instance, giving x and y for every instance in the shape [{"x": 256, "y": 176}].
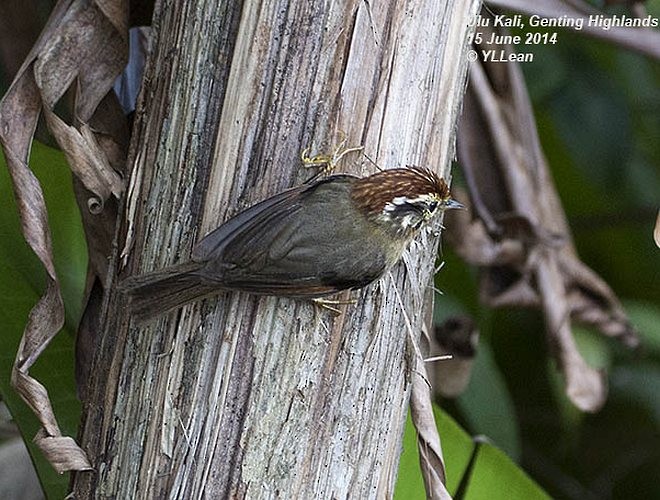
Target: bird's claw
[
  {"x": 328, "y": 163},
  {"x": 328, "y": 304}
]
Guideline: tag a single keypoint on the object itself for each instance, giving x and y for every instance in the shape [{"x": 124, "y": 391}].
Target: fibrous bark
[{"x": 263, "y": 397}]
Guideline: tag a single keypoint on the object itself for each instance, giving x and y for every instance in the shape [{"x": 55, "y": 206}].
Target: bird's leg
[
  {"x": 327, "y": 162},
  {"x": 328, "y": 304}
]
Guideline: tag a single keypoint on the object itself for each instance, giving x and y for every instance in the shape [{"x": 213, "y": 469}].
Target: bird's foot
[
  {"x": 327, "y": 162},
  {"x": 329, "y": 304}
]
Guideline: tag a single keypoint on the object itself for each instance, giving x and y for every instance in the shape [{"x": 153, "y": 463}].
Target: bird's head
[{"x": 403, "y": 199}]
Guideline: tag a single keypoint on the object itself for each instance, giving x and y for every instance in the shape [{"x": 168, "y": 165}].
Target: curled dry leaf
[
  {"x": 87, "y": 160},
  {"x": 83, "y": 42},
  {"x": 428, "y": 439},
  {"x": 518, "y": 234}
]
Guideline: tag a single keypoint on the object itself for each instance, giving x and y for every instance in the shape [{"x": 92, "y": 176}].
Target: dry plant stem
[
  {"x": 584, "y": 385},
  {"x": 239, "y": 396},
  {"x": 428, "y": 442},
  {"x": 521, "y": 239}
]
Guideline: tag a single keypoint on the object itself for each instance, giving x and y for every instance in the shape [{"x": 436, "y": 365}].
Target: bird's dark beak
[{"x": 451, "y": 203}]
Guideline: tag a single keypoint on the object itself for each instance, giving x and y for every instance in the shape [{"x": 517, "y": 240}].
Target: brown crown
[{"x": 373, "y": 192}]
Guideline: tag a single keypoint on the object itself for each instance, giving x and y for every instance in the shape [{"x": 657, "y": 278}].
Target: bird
[{"x": 339, "y": 232}]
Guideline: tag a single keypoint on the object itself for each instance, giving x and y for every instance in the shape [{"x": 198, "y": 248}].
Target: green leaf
[
  {"x": 487, "y": 406},
  {"x": 495, "y": 477},
  {"x": 456, "y": 447},
  {"x": 639, "y": 384},
  {"x": 491, "y": 472},
  {"x": 593, "y": 347},
  {"x": 21, "y": 284},
  {"x": 646, "y": 318}
]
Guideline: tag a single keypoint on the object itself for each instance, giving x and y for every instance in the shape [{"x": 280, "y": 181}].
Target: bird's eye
[{"x": 433, "y": 206}]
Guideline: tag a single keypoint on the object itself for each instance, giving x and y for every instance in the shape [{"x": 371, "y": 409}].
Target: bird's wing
[
  {"x": 284, "y": 246},
  {"x": 301, "y": 245},
  {"x": 213, "y": 245},
  {"x": 312, "y": 273}
]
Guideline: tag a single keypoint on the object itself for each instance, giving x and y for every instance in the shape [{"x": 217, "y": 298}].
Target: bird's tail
[{"x": 155, "y": 293}]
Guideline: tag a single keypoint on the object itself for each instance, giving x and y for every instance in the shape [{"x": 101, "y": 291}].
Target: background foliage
[{"x": 597, "y": 113}]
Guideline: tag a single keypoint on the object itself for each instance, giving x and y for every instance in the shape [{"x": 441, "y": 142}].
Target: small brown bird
[{"x": 341, "y": 232}]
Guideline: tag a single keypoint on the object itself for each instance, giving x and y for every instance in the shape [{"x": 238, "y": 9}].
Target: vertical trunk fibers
[{"x": 246, "y": 397}]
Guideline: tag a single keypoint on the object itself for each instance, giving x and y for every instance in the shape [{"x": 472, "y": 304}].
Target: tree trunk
[{"x": 241, "y": 396}]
